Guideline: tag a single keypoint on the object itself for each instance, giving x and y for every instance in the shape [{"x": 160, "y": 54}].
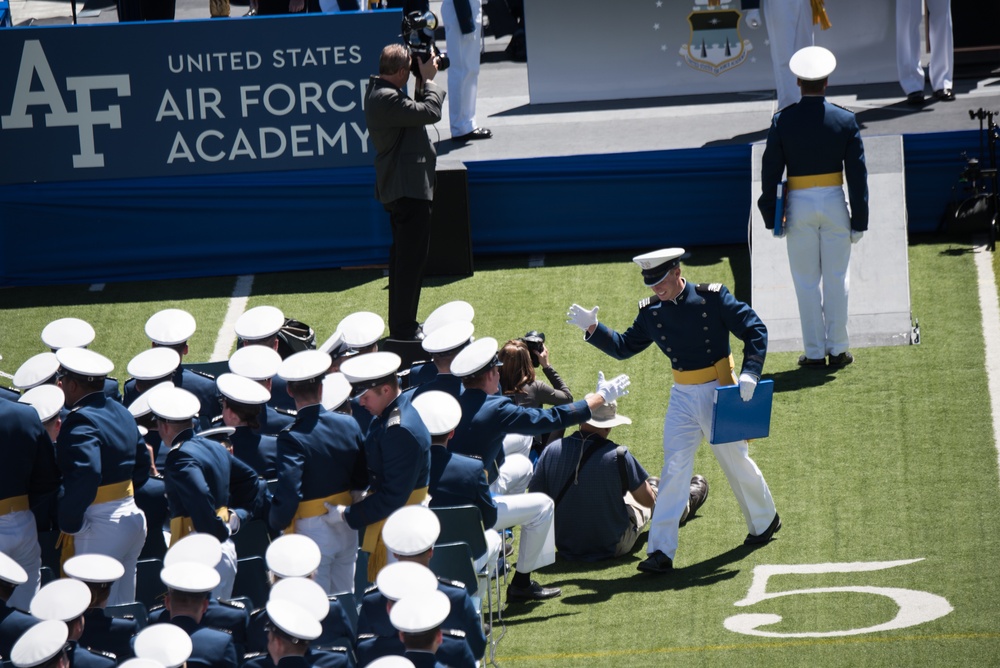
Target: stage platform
[{"x": 554, "y": 177}]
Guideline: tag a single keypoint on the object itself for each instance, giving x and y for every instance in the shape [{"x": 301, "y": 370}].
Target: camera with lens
[
  {"x": 535, "y": 342},
  {"x": 418, "y": 34}
]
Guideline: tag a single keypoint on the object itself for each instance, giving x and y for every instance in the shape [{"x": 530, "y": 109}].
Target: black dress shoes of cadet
[
  {"x": 478, "y": 133},
  {"x": 945, "y": 95}
]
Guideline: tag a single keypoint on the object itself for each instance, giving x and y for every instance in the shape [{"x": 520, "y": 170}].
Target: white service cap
[
  {"x": 68, "y": 333},
  {"x": 190, "y": 576},
  {"x": 449, "y": 337},
  {"x": 93, "y": 567},
  {"x": 411, "y": 530},
  {"x": 36, "y": 370},
  {"x": 812, "y": 63},
  {"x": 370, "y": 370},
  {"x": 362, "y": 329},
  {"x": 255, "y": 362},
  {"x": 39, "y": 644},
  {"x": 64, "y": 599},
  {"x": 140, "y": 406},
  {"x": 293, "y": 619},
  {"x": 84, "y": 362},
  {"x": 403, "y": 578},
  {"x": 656, "y": 264},
  {"x": 293, "y": 555},
  {"x": 11, "y": 571},
  {"x": 305, "y": 365},
  {"x": 304, "y": 592},
  {"x": 242, "y": 389},
  {"x": 203, "y": 548},
  {"x": 47, "y": 400},
  {"x": 457, "y": 311},
  {"x": 174, "y": 403},
  {"x": 440, "y": 411},
  {"x": 478, "y": 355},
  {"x": 154, "y": 364},
  {"x": 336, "y": 346},
  {"x": 420, "y": 612},
  {"x": 260, "y": 322},
  {"x": 167, "y": 644},
  {"x": 170, "y": 327},
  {"x": 336, "y": 390},
  {"x": 391, "y": 661}
]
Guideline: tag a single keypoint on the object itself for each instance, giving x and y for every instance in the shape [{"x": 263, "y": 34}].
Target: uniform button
[
  {"x": 702, "y": 301},
  {"x": 705, "y": 328},
  {"x": 704, "y": 315},
  {"x": 674, "y": 360},
  {"x": 670, "y": 350},
  {"x": 709, "y": 350},
  {"x": 708, "y": 340},
  {"x": 663, "y": 338},
  {"x": 659, "y": 324}
]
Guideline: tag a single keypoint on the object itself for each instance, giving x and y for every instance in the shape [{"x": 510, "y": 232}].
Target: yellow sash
[
  {"x": 182, "y": 526},
  {"x": 373, "y": 545},
  {"x": 721, "y": 371},
  {"x": 106, "y": 493},
  {"x": 819, "y": 14},
  {"x": 815, "y": 180},
  {"x": 13, "y": 504},
  {"x": 316, "y": 507}
]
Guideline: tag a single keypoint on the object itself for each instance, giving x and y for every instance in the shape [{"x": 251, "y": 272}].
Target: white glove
[
  {"x": 234, "y": 522},
  {"x": 612, "y": 389},
  {"x": 747, "y": 385},
  {"x": 753, "y": 18},
  {"x": 334, "y": 515},
  {"x": 856, "y": 236},
  {"x": 581, "y": 317}
]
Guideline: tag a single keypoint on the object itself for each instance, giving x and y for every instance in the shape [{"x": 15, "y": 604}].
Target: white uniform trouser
[
  {"x": 688, "y": 420},
  {"x": 535, "y": 513},
  {"x": 463, "y": 74},
  {"x": 227, "y": 571},
  {"x": 19, "y": 541},
  {"x": 789, "y": 28},
  {"x": 819, "y": 248},
  {"x": 514, "y": 476},
  {"x": 338, "y": 546},
  {"x": 517, "y": 444},
  {"x": 117, "y": 529},
  {"x": 909, "y": 14}
]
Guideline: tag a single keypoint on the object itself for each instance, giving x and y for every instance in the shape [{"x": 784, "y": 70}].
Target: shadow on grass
[{"x": 800, "y": 378}]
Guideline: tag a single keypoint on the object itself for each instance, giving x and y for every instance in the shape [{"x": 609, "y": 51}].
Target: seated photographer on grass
[
  {"x": 520, "y": 357},
  {"x": 603, "y": 496}
]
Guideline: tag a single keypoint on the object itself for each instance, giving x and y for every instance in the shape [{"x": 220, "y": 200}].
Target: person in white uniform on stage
[
  {"x": 909, "y": 16},
  {"x": 463, "y": 31}
]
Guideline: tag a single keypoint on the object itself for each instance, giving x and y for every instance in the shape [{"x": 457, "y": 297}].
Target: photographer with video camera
[
  {"x": 518, "y": 381},
  {"x": 405, "y": 160}
]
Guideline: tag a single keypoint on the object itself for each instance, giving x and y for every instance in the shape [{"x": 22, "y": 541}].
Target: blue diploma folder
[
  {"x": 779, "y": 211},
  {"x": 736, "y": 420}
]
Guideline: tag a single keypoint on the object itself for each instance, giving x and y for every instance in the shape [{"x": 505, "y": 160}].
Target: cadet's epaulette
[
  {"x": 336, "y": 649},
  {"x": 366, "y": 636},
  {"x": 841, "y": 107},
  {"x": 253, "y": 655},
  {"x": 115, "y": 380},
  {"x": 238, "y": 605},
  {"x": 374, "y": 587},
  {"x": 708, "y": 287},
  {"x": 156, "y": 608},
  {"x": 217, "y": 418},
  {"x": 106, "y": 655},
  {"x": 287, "y": 411},
  {"x": 222, "y": 629},
  {"x": 288, "y": 427},
  {"x": 201, "y": 373},
  {"x": 648, "y": 301},
  {"x": 454, "y": 633},
  {"x": 10, "y": 390},
  {"x": 453, "y": 583},
  {"x": 394, "y": 418},
  {"x": 74, "y": 409}
]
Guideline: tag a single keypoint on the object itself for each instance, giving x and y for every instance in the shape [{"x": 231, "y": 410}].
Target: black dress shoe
[
  {"x": 841, "y": 360},
  {"x": 809, "y": 361},
  {"x": 656, "y": 563},
  {"x": 533, "y": 592},
  {"x": 765, "y": 537},
  {"x": 478, "y": 133},
  {"x": 915, "y": 99},
  {"x": 945, "y": 95}
]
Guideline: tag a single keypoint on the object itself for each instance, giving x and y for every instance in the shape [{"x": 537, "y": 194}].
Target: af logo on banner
[
  {"x": 198, "y": 97},
  {"x": 715, "y": 45}
]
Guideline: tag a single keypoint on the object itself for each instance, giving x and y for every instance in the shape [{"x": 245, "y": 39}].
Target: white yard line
[
  {"x": 991, "y": 333},
  {"x": 237, "y": 304}
]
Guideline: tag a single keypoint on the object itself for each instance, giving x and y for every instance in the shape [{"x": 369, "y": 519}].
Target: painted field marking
[
  {"x": 237, "y": 305},
  {"x": 991, "y": 334}
]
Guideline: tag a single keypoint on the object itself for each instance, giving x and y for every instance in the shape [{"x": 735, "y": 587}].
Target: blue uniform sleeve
[
  {"x": 484, "y": 501},
  {"x": 401, "y": 465},
  {"x": 285, "y": 502},
  {"x": 184, "y": 479},
  {"x": 742, "y": 321},
  {"x": 535, "y": 421},
  {"x": 857, "y": 178},
  {"x": 620, "y": 346},
  {"x": 78, "y": 453},
  {"x": 143, "y": 463},
  {"x": 247, "y": 492},
  {"x": 772, "y": 167},
  {"x": 43, "y": 486}
]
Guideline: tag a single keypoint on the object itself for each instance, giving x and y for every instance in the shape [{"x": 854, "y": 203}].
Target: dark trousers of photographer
[{"x": 411, "y": 234}]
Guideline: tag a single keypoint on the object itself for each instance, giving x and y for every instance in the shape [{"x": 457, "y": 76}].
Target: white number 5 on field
[{"x": 915, "y": 607}]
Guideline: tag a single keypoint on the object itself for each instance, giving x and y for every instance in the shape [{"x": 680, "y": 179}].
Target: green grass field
[{"x": 892, "y": 459}]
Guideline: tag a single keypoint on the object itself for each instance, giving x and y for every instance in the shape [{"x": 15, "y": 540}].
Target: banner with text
[{"x": 188, "y": 97}]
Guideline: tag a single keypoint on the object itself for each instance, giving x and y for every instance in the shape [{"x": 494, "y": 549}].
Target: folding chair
[
  {"x": 453, "y": 561},
  {"x": 464, "y": 524},
  {"x": 349, "y": 603},
  {"x": 149, "y": 589},
  {"x": 136, "y": 611},
  {"x": 251, "y": 580}
]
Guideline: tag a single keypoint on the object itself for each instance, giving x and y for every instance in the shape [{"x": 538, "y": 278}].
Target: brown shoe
[{"x": 696, "y": 498}]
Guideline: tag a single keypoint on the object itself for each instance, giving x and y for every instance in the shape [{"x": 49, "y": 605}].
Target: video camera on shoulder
[
  {"x": 535, "y": 342},
  {"x": 418, "y": 34}
]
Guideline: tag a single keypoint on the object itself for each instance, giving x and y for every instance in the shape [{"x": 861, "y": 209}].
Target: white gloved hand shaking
[
  {"x": 856, "y": 236},
  {"x": 748, "y": 383},
  {"x": 753, "y": 18},
  {"x": 581, "y": 317},
  {"x": 334, "y": 514},
  {"x": 612, "y": 389}
]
